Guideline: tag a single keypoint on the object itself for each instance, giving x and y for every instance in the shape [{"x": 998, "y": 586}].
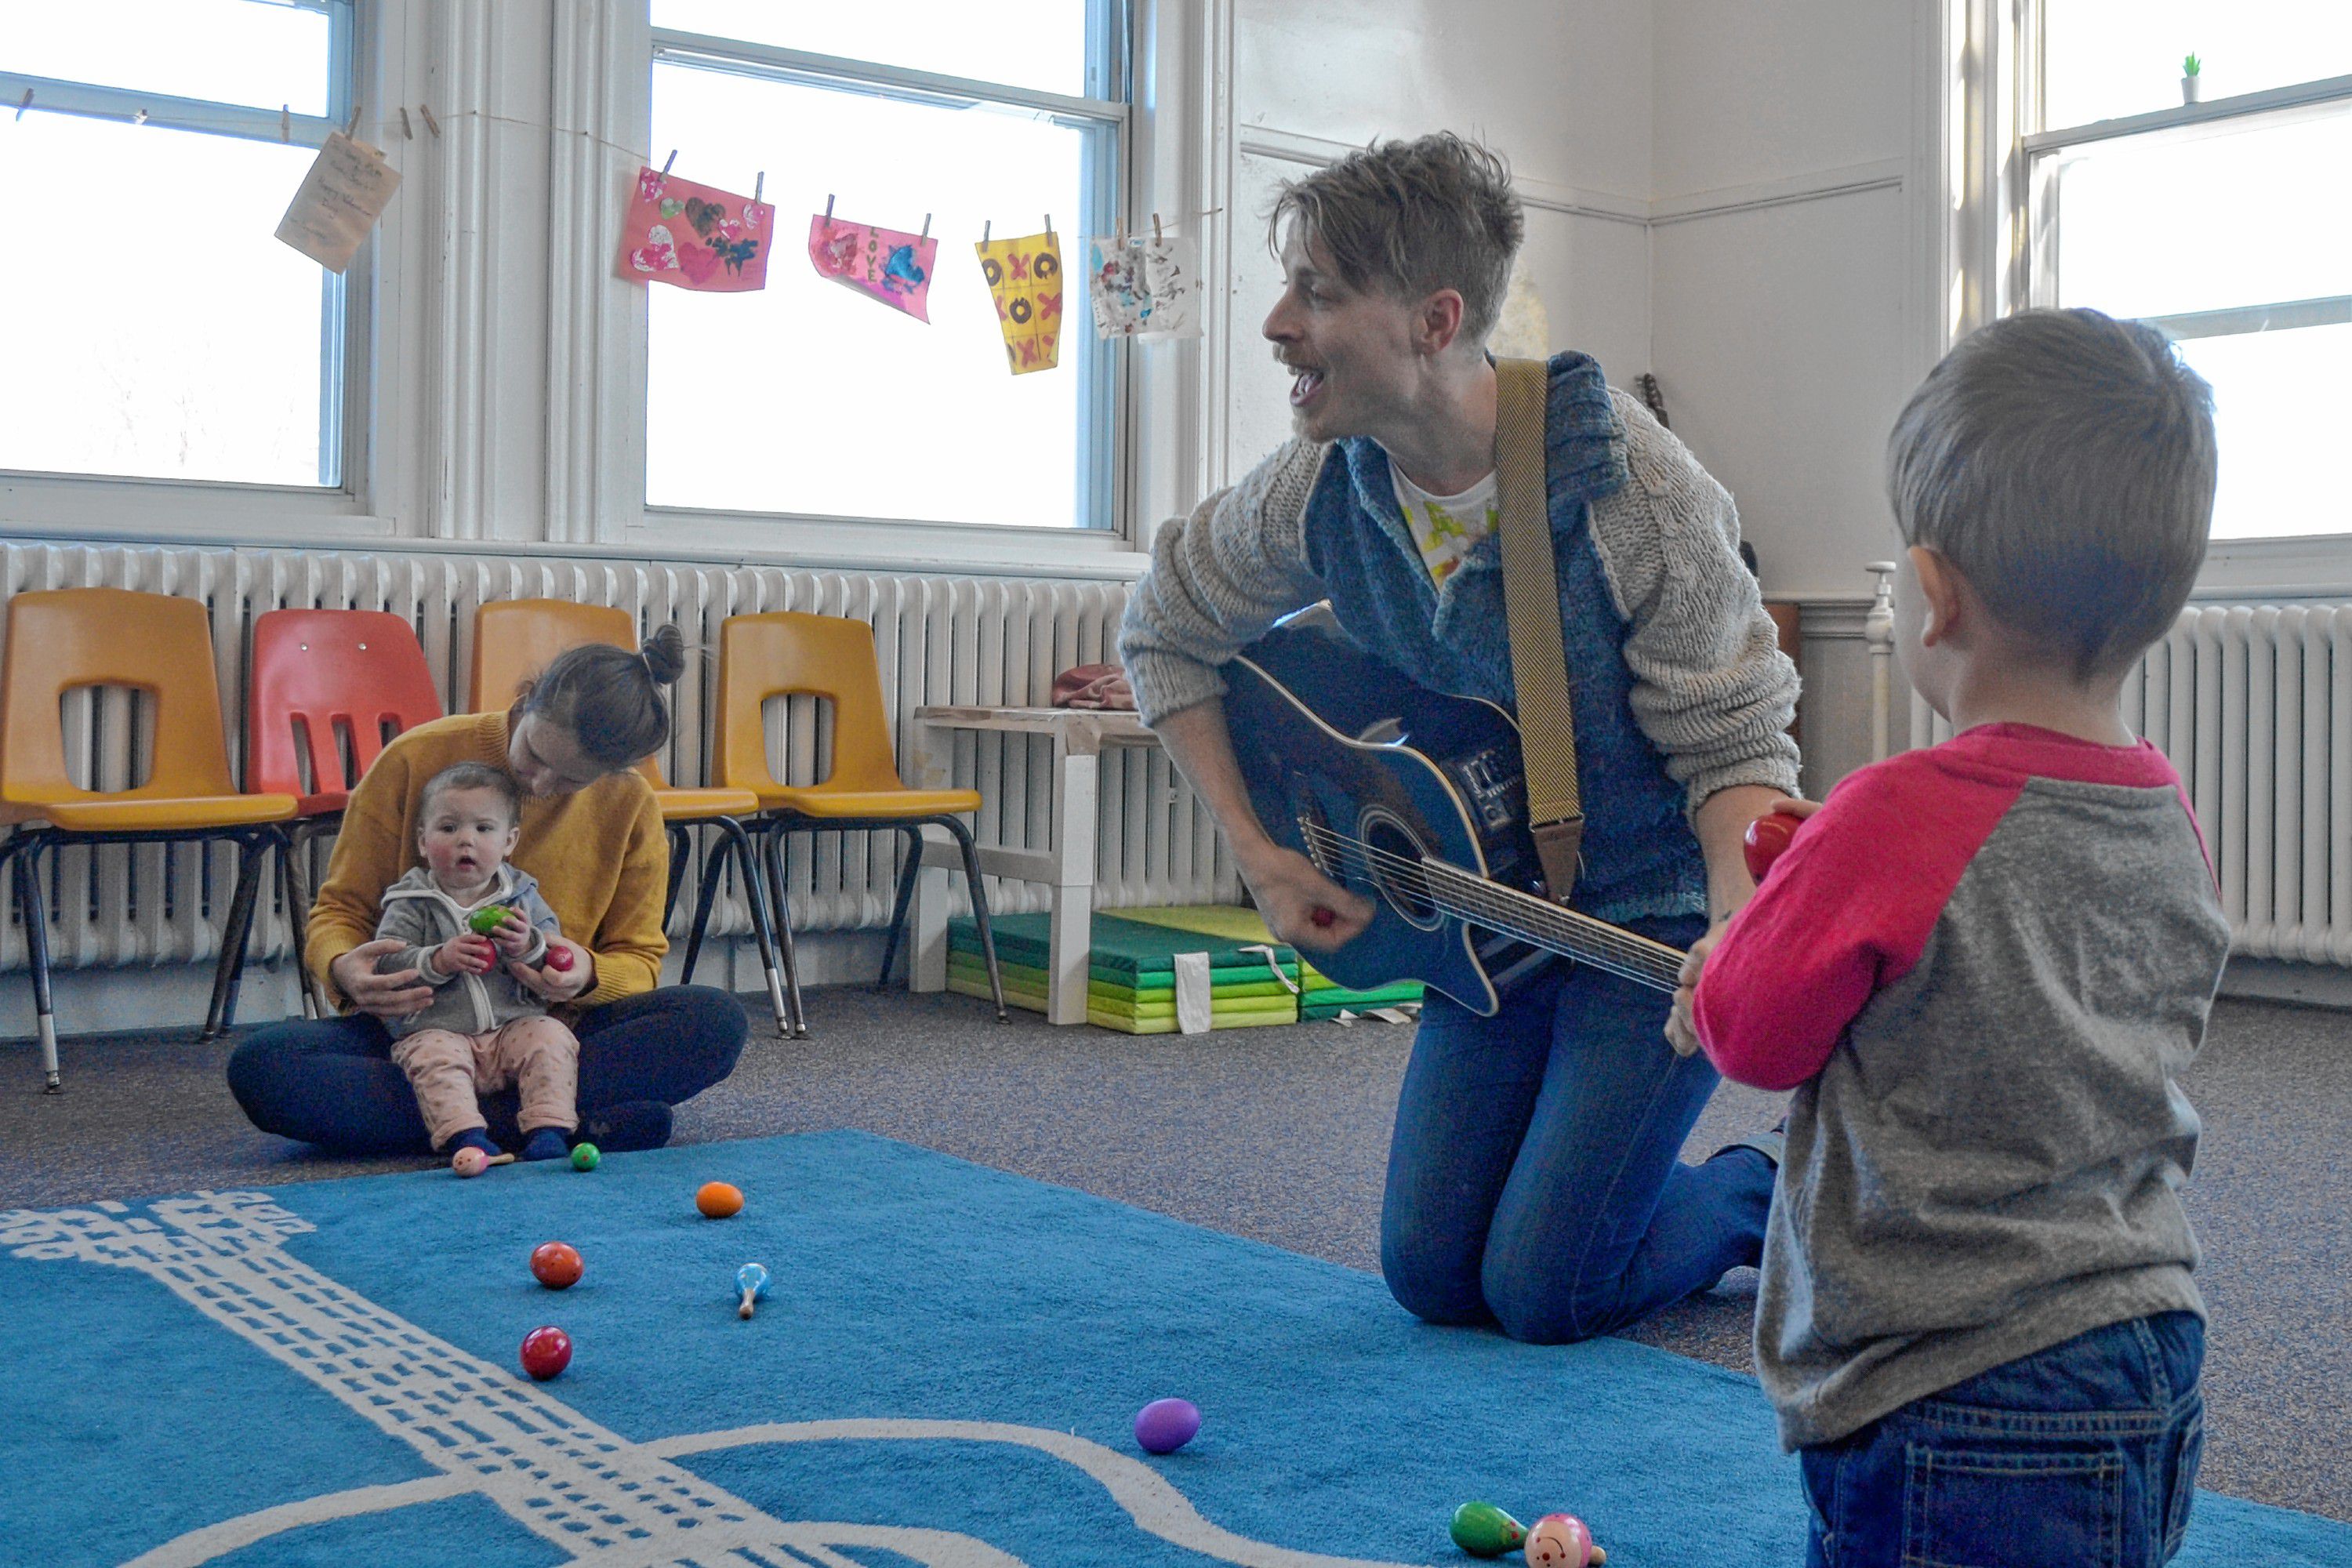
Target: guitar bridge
[{"x": 1315, "y": 828}]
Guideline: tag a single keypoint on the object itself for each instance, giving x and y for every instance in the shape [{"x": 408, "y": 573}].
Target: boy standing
[{"x": 1983, "y": 968}]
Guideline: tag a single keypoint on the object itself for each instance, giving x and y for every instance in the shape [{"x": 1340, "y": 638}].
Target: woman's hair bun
[{"x": 665, "y": 654}]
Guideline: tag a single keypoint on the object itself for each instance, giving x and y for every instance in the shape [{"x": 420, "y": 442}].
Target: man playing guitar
[{"x": 1533, "y": 1179}]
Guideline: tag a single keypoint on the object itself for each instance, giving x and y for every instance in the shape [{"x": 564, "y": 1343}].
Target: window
[
  {"x": 809, "y": 399},
  {"x": 2215, "y": 208},
  {"x": 157, "y": 327}
]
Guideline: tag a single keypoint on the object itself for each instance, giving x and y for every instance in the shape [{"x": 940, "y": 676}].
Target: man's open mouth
[{"x": 1304, "y": 388}]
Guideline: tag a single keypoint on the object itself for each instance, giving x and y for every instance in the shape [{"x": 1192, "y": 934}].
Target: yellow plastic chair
[
  {"x": 514, "y": 639},
  {"x": 161, "y": 646},
  {"x": 784, "y": 653}
]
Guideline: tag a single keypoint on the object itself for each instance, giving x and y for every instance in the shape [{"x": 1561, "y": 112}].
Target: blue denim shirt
[{"x": 1640, "y": 857}]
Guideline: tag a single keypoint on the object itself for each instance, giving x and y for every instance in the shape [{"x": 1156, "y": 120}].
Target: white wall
[
  {"x": 1564, "y": 91},
  {"x": 1783, "y": 266}
]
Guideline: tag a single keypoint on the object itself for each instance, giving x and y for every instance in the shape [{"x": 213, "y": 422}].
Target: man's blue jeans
[
  {"x": 2082, "y": 1456},
  {"x": 1534, "y": 1180}
]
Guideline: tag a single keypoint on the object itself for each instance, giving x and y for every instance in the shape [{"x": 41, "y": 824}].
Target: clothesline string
[{"x": 645, "y": 160}]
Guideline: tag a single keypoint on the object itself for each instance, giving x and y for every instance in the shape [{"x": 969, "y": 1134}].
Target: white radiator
[
  {"x": 940, "y": 639},
  {"x": 2253, "y": 705}
]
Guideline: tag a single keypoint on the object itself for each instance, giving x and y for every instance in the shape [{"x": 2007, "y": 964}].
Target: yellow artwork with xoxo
[{"x": 1025, "y": 278}]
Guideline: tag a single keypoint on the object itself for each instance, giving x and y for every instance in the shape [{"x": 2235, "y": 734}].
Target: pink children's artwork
[
  {"x": 883, "y": 264},
  {"x": 695, "y": 237}
]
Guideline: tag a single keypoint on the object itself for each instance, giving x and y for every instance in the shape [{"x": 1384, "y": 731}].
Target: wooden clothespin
[
  {"x": 430, "y": 123},
  {"x": 668, "y": 161},
  {"x": 1049, "y": 225},
  {"x": 24, "y": 105},
  {"x": 350, "y": 131},
  {"x": 139, "y": 116},
  {"x": 926, "y": 226},
  {"x": 985, "y": 226},
  {"x": 1156, "y": 235},
  {"x": 407, "y": 132},
  {"x": 760, "y": 185},
  {"x": 286, "y": 123},
  {"x": 828, "y": 206}
]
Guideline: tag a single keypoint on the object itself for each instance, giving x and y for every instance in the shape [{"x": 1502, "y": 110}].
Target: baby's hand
[
  {"x": 464, "y": 954},
  {"x": 512, "y": 934}
]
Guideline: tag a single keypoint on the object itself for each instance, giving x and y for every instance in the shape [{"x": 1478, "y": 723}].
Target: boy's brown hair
[
  {"x": 1412, "y": 217},
  {"x": 2065, "y": 462}
]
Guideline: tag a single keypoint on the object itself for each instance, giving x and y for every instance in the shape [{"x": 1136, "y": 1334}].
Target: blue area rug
[{"x": 945, "y": 1372}]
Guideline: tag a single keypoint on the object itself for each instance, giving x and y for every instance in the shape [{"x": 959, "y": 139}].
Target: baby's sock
[
  {"x": 547, "y": 1144},
  {"x": 471, "y": 1138}
]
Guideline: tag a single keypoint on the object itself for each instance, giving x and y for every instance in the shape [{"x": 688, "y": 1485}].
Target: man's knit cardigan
[{"x": 1680, "y": 690}]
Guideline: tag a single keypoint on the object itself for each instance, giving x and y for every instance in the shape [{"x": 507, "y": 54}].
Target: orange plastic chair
[
  {"x": 514, "y": 639},
  {"x": 62, "y": 638},
  {"x": 324, "y": 681},
  {"x": 784, "y": 653}
]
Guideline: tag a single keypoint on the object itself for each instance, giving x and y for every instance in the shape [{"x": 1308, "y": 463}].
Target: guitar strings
[
  {"x": 1487, "y": 898},
  {"x": 1626, "y": 953},
  {"x": 1654, "y": 970},
  {"x": 1594, "y": 941}
]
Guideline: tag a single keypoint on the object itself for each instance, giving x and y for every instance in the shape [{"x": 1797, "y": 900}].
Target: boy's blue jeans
[
  {"x": 1534, "y": 1180},
  {"x": 2082, "y": 1456}
]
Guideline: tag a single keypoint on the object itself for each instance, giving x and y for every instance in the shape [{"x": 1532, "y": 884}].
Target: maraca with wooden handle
[{"x": 753, "y": 1280}]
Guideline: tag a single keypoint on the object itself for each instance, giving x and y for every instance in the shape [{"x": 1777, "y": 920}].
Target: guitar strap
[{"x": 1531, "y": 603}]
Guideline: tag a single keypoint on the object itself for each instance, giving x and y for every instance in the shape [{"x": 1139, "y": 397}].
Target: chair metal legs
[
  {"x": 772, "y": 831},
  {"x": 682, "y": 850},
  {"x": 913, "y": 869},
  {"x": 781, "y": 902},
  {"x": 22, "y": 854},
  {"x": 978, "y": 907},
  {"x": 789, "y": 1020},
  {"x": 908, "y": 872},
  {"x": 253, "y": 846}
]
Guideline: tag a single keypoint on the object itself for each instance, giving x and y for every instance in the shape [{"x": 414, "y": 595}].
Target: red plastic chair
[{"x": 325, "y": 681}]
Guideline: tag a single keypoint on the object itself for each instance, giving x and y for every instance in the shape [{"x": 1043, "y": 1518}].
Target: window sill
[
  {"x": 101, "y": 508},
  {"x": 2318, "y": 566},
  {"x": 864, "y": 542}
]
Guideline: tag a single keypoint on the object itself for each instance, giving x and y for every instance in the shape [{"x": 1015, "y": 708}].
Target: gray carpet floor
[{"x": 1280, "y": 1136}]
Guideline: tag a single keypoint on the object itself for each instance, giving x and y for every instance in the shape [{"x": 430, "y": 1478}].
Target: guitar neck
[
  {"x": 1475, "y": 900},
  {"x": 1546, "y": 924}
]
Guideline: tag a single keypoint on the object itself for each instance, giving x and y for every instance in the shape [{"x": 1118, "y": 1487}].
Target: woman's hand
[
  {"x": 559, "y": 984},
  {"x": 386, "y": 996},
  {"x": 1300, "y": 905}
]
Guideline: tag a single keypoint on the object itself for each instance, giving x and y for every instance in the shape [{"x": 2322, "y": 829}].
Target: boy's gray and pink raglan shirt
[{"x": 1983, "y": 967}]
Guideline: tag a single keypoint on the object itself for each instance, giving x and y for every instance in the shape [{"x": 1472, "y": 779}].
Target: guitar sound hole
[{"x": 1396, "y": 871}]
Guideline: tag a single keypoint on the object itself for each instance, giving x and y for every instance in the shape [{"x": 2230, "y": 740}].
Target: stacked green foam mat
[
  {"x": 1132, "y": 978},
  {"x": 1320, "y": 996}
]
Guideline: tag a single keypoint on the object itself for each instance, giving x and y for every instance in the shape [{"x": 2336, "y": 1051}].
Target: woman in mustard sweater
[{"x": 593, "y": 836}]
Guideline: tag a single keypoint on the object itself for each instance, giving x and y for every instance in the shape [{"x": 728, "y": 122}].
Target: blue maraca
[{"x": 753, "y": 1280}]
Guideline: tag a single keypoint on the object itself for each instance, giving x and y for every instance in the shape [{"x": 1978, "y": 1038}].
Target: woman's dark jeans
[
  {"x": 1535, "y": 1178},
  {"x": 333, "y": 1082}
]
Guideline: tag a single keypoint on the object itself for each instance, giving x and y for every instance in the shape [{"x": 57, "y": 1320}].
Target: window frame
[
  {"x": 1986, "y": 249},
  {"x": 1104, "y": 365},
  {"x": 346, "y": 358}
]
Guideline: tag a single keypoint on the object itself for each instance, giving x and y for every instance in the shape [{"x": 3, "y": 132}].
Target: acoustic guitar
[{"x": 1415, "y": 799}]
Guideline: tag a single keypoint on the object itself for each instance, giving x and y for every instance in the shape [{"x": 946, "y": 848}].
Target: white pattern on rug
[{"x": 611, "y": 1502}]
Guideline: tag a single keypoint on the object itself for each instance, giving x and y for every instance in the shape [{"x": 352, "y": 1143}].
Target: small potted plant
[{"x": 2192, "y": 84}]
